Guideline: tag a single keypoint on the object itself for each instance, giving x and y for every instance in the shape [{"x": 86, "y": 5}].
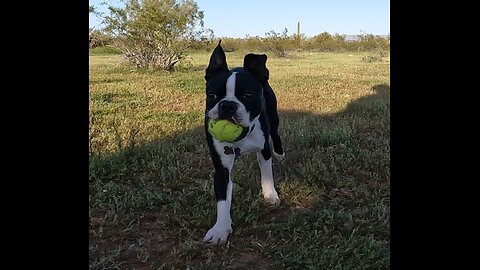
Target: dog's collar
[{"x": 245, "y": 132}]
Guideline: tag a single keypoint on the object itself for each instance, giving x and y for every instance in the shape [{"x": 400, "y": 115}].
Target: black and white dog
[{"x": 244, "y": 96}]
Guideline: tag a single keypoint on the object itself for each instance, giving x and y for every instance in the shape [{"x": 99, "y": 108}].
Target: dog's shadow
[
  {"x": 332, "y": 158},
  {"x": 327, "y": 155}
]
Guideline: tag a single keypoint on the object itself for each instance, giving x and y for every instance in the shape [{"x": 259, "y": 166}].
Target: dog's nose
[{"x": 227, "y": 108}]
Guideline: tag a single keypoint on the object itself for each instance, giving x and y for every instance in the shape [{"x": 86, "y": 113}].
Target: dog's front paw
[
  {"x": 218, "y": 234},
  {"x": 278, "y": 156},
  {"x": 272, "y": 198}
]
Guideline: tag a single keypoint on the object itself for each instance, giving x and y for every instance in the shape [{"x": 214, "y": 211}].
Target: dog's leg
[
  {"x": 271, "y": 109},
  {"x": 276, "y": 141},
  {"x": 223, "y": 186},
  {"x": 268, "y": 187},
  {"x": 277, "y": 145}
]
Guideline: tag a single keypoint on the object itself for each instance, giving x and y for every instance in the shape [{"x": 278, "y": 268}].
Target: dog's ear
[
  {"x": 256, "y": 65},
  {"x": 218, "y": 62}
]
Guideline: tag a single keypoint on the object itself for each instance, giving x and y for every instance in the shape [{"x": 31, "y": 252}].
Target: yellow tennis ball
[{"x": 224, "y": 130}]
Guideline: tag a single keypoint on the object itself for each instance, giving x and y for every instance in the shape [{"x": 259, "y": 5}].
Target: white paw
[
  {"x": 218, "y": 234},
  {"x": 272, "y": 198},
  {"x": 279, "y": 157}
]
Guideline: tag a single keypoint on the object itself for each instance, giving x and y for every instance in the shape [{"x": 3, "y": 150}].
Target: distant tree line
[
  {"x": 278, "y": 43},
  {"x": 158, "y": 33},
  {"x": 282, "y": 43}
]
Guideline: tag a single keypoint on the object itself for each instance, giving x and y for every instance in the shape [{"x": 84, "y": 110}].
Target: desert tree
[{"x": 155, "y": 33}]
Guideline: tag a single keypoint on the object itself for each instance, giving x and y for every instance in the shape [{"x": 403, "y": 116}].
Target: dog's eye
[
  {"x": 248, "y": 94},
  {"x": 211, "y": 96}
]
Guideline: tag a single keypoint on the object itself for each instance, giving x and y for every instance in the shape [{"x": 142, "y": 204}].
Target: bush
[
  {"x": 106, "y": 50},
  {"x": 369, "y": 42},
  {"x": 98, "y": 38},
  {"x": 370, "y": 58},
  {"x": 156, "y": 33},
  {"x": 278, "y": 43},
  {"x": 325, "y": 42}
]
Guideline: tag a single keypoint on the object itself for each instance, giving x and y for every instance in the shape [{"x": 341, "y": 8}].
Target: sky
[{"x": 239, "y": 18}]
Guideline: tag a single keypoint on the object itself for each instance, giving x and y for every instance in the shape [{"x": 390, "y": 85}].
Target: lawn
[{"x": 151, "y": 196}]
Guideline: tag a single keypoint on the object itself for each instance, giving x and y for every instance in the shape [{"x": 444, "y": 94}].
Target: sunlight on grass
[{"x": 151, "y": 193}]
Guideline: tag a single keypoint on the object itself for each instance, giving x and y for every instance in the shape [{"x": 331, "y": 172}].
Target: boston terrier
[{"x": 241, "y": 95}]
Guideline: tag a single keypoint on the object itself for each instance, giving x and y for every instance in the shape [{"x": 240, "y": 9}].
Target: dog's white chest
[{"x": 253, "y": 142}]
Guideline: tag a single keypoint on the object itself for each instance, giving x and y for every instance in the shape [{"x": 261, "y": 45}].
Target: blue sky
[{"x": 228, "y": 18}]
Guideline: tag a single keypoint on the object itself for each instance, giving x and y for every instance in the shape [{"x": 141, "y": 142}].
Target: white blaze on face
[
  {"x": 230, "y": 95},
  {"x": 241, "y": 115}
]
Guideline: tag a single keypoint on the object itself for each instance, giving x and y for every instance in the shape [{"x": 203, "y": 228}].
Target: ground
[{"x": 151, "y": 196}]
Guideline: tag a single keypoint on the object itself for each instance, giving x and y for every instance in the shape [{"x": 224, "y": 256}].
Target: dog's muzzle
[{"x": 227, "y": 109}]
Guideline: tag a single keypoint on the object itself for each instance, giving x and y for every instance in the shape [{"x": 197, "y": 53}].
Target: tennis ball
[{"x": 224, "y": 130}]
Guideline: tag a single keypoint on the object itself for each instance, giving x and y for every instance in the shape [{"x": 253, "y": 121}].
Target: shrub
[
  {"x": 156, "y": 33},
  {"x": 98, "y": 38},
  {"x": 278, "y": 43}
]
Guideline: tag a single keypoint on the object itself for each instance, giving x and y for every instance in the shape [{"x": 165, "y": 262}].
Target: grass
[
  {"x": 151, "y": 190},
  {"x": 104, "y": 50}
]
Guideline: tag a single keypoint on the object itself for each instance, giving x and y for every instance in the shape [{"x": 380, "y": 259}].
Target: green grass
[
  {"x": 151, "y": 189},
  {"x": 104, "y": 50}
]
